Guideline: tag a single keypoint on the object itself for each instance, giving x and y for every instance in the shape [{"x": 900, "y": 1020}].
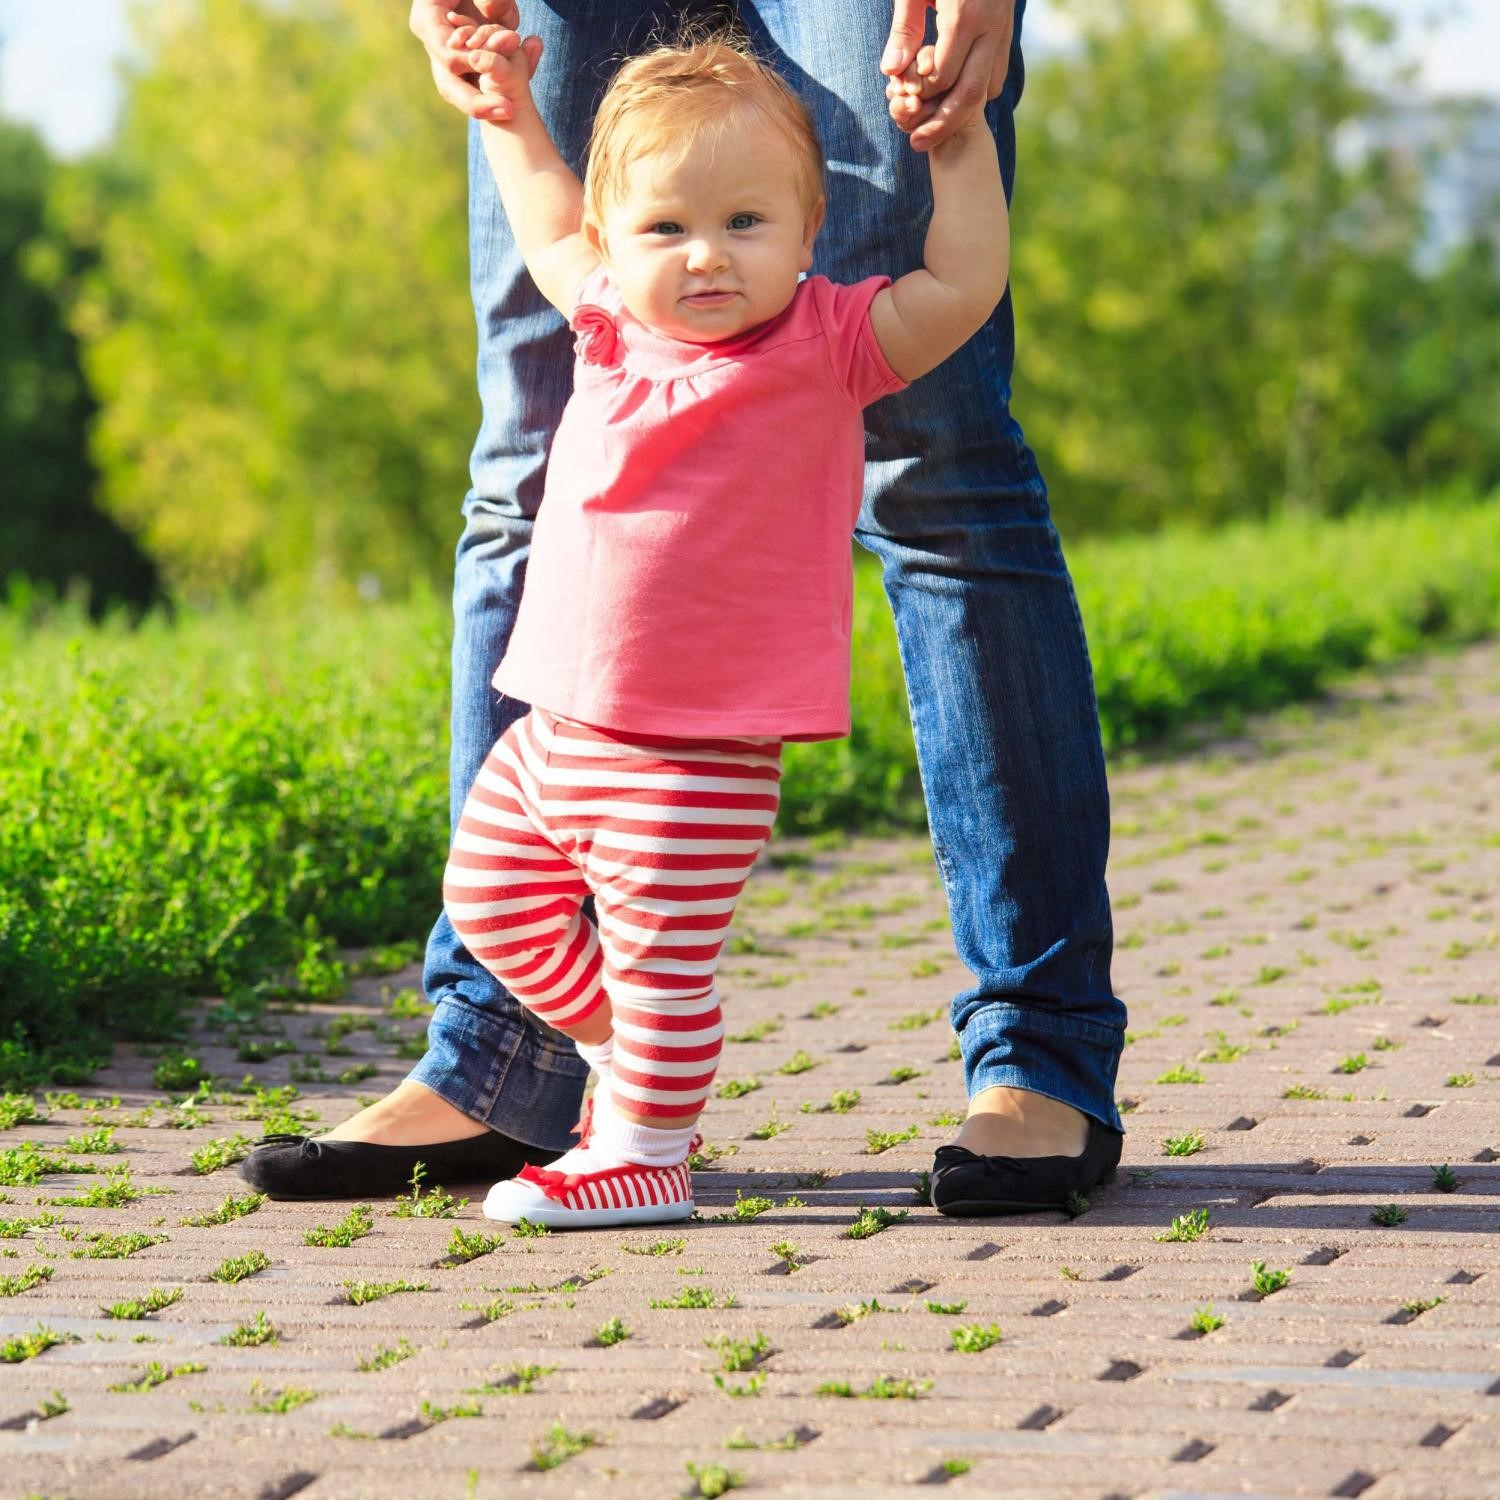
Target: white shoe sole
[{"x": 507, "y": 1208}]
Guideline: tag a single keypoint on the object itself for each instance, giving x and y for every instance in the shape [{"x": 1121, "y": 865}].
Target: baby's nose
[{"x": 705, "y": 254}]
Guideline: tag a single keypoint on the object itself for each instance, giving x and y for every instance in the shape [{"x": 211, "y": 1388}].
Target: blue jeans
[{"x": 997, "y": 670}]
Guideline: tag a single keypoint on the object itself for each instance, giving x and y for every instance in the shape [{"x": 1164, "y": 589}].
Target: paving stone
[{"x": 1299, "y": 913}]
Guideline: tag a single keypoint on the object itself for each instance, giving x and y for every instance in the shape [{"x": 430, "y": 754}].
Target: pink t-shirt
[{"x": 691, "y": 571}]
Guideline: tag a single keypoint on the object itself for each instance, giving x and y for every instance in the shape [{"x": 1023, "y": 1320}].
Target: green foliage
[
  {"x": 464, "y": 1247},
  {"x": 24, "y": 1346},
  {"x": 1221, "y": 310},
  {"x": 156, "y": 1374},
  {"x": 1266, "y": 1282},
  {"x": 1205, "y": 1319},
  {"x": 870, "y": 1221},
  {"x": 975, "y": 1338},
  {"x": 357, "y": 1223},
  {"x": 230, "y": 1209},
  {"x": 106, "y": 1246},
  {"x": 558, "y": 1445},
  {"x": 253, "y": 1334},
  {"x": 279, "y": 308},
  {"x": 13, "y": 1286},
  {"x": 384, "y": 1357},
  {"x": 1186, "y": 1227},
  {"x": 204, "y": 806},
  {"x": 610, "y": 1333},
  {"x": 153, "y": 1302},
  {"x": 879, "y": 1141},
  {"x": 223, "y": 1152},
  {"x": 238, "y": 1267},
  {"x": 360, "y": 1292},
  {"x": 45, "y": 406}
]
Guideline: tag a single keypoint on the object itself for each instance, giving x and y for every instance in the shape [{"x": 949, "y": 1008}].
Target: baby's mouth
[{"x": 709, "y": 299}]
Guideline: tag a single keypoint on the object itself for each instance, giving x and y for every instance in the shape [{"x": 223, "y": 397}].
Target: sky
[{"x": 68, "y": 88}]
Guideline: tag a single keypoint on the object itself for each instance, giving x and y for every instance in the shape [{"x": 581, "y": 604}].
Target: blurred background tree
[
  {"x": 1217, "y": 291},
  {"x": 279, "y": 329},
  {"x": 50, "y": 529},
  {"x": 1223, "y": 306}
]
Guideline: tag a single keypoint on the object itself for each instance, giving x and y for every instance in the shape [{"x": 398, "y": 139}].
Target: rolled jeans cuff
[
  {"x": 1031, "y": 1047},
  {"x": 504, "y": 1072}
]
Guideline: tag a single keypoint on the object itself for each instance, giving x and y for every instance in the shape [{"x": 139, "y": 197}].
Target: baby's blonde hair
[{"x": 664, "y": 101}]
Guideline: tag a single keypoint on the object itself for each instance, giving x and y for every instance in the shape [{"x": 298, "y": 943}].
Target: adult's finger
[
  {"x": 965, "y": 24},
  {"x": 959, "y": 103},
  {"x": 908, "y": 26}
]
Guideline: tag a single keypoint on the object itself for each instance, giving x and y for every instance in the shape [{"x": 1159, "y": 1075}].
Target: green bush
[{"x": 210, "y": 803}]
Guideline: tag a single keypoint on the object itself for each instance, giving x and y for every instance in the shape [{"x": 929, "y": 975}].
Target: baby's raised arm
[
  {"x": 541, "y": 194},
  {"x": 921, "y": 319}
]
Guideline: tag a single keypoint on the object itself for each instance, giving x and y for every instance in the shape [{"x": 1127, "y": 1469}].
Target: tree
[
  {"x": 1212, "y": 287},
  {"x": 279, "y": 327},
  {"x": 50, "y": 530}
]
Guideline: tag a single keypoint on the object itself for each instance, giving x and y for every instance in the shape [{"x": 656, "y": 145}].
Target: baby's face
[{"x": 709, "y": 247}]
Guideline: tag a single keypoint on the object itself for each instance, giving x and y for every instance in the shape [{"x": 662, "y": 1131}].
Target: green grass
[
  {"x": 693, "y": 1297},
  {"x": 306, "y": 748},
  {"x": 143, "y": 1307},
  {"x": 220, "y": 1153},
  {"x": 1266, "y": 1282},
  {"x": 357, "y": 1223},
  {"x": 240, "y": 1267},
  {"x": 16, "y": 1229},
  {"x": 1186, "y": 1227},
  {"x": 870, "y": 1221},
  {"x": 557, "y": 1445},
  {"x": 158, "y": 1374},
  {"x": 1205, "y": 1319},
  {"x": 13, "y": 1286},
  {"x": 24, "y": 1346},
  {"x": 230, "y": 1209},
  {"x": 1183, "y": 1145},
  {"x": 383, "y": 1358},
  {"x": 360, "y": 1292},
  {"x": 106, "y": 1246},
  {"x": 253, "y": 1334},
  {"x": 975, "y": 1338},
  {"x": 434, "y": 1203},
  {"x": 882, "y": 1388},
  {"x": 610, "y": 1333},
  {"x": 879, "y": 1141},
  {"x": 464, "y": 1247},
  {"x": 281, "y": 1401}
]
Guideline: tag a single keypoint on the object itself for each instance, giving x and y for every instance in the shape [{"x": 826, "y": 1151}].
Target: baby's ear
[{"x": 595, "y": 237}]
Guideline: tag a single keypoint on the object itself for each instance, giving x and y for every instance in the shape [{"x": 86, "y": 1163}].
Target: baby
[{"x": 688, "y": 594}]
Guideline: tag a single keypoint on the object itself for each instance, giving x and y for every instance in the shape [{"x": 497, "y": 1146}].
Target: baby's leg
[
  {"x": 667, "y": 835},
  {"x": 513, "y": 896}
]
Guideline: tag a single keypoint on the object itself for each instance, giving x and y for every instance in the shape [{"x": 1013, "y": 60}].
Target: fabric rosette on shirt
[{"x": 598, "y": 341}]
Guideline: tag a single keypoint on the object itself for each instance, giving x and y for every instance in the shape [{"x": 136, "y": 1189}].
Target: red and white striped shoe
[{"x": 596, "y": 1198}]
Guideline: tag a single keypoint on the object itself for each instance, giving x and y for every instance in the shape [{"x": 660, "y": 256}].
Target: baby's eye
[
  {"x": 666, "y": 226},
  {"x": 742, "y": 221}
]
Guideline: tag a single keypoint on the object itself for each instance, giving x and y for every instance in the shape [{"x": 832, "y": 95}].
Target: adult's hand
[
  {"x": 960, "y": 72},
  {"x": 431, "y": 25}
]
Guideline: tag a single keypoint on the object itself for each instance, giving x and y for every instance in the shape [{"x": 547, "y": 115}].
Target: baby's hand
[
  {"x": 908, "y": 92},
  {"x": 503, "y": 62}
]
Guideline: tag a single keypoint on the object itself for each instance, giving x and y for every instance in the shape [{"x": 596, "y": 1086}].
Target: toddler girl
[{"x": 688, "y": 594}]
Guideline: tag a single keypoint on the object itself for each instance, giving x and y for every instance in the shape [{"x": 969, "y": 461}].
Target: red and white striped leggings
[{"x": 664, "y": 833}]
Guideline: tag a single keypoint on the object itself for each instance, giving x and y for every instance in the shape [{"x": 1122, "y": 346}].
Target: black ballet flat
[
  {"x": 965, "y": 1184},
  {"x": 299, "y": 1167}
]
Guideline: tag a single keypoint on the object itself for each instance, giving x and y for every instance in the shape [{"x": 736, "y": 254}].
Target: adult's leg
[
  {"x": 487, "y": 1065},
  {"x": 992, "y": 645}
]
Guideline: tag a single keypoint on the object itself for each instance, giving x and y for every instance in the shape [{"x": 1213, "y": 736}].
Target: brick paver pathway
[{"x": 1307, "y": 923}]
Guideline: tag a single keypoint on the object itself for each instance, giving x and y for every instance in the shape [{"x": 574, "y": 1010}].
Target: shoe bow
[{"x": 956, "y": 1156}]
